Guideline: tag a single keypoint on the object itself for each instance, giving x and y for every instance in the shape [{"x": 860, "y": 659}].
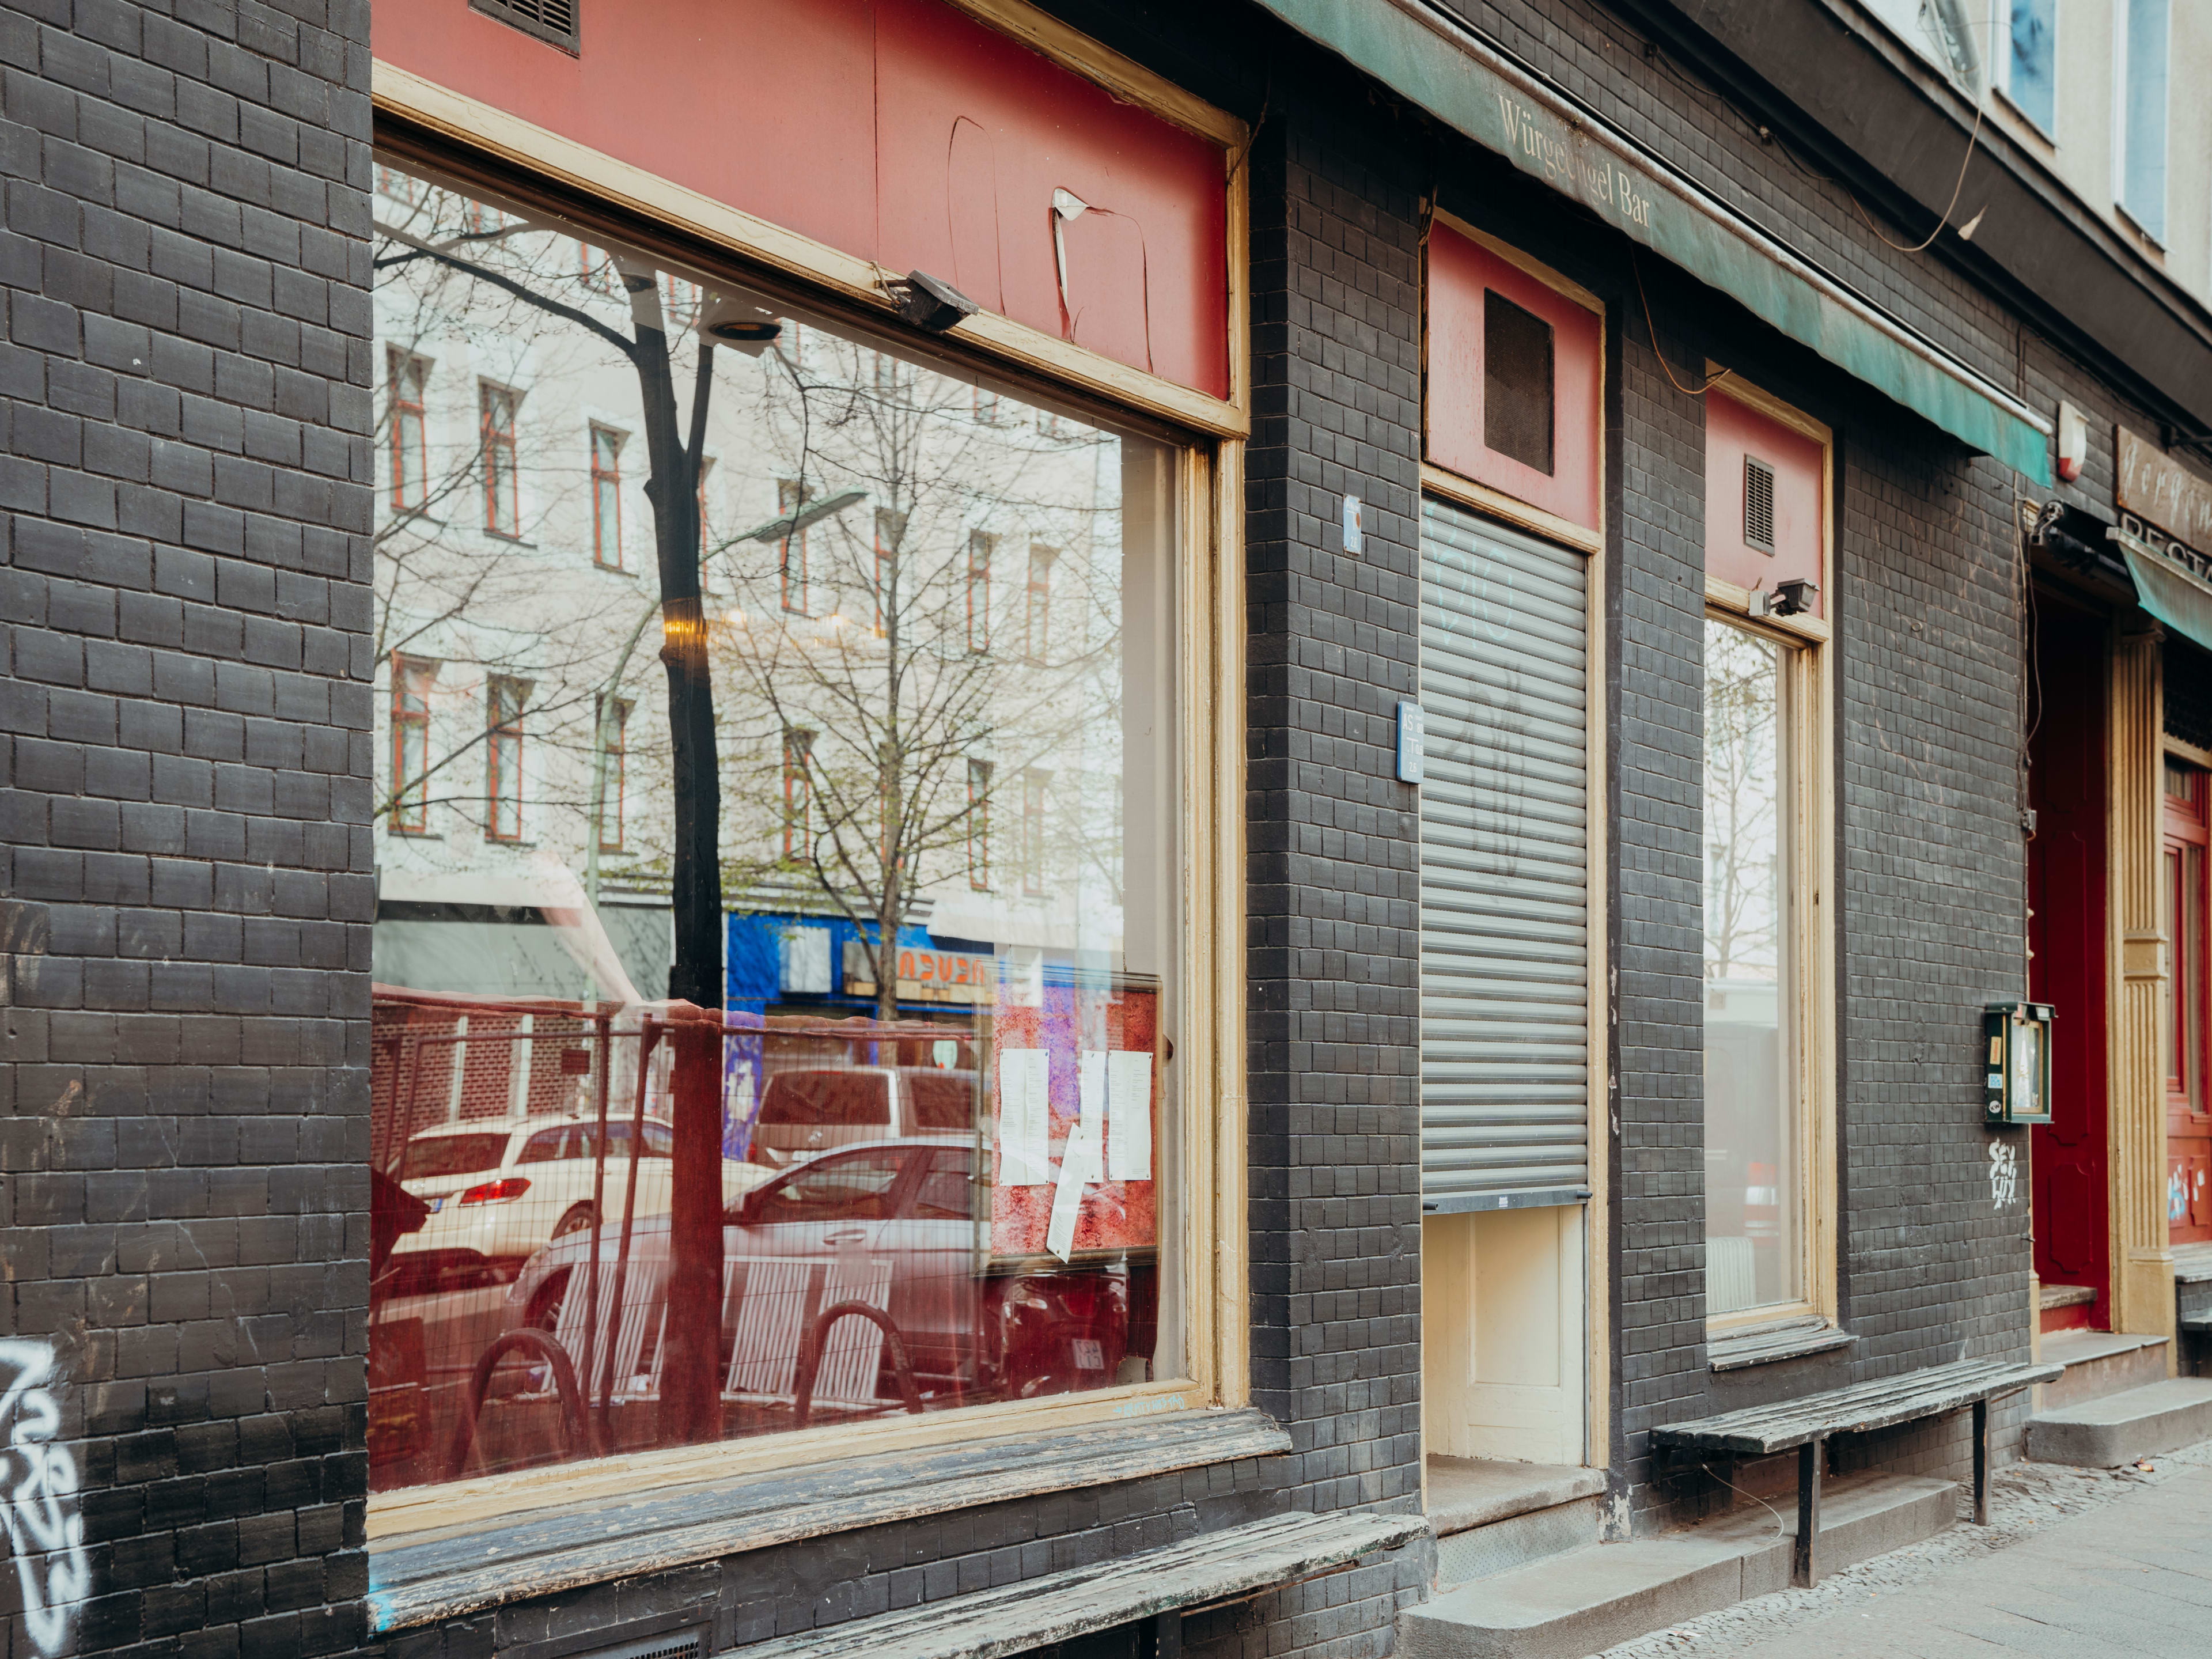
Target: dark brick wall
[
  {"x": 1333, "y": 896},
  {"x": 1655, "y": 628},
  {"x": 185, "y": 748}
]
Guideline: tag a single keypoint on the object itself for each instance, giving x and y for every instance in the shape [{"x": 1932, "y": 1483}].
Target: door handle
[{"x": 849, "y": 1235}]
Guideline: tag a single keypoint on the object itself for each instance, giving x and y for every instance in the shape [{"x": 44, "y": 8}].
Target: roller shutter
[{"x": 1504, "y": 868}]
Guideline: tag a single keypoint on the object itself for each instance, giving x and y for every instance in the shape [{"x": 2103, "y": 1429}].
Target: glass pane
[
  {"x": 2176, "y": 995},
  {"x": 2031, "y": 62},
  {"x": 2189, "y": 976},
  {"x": 1754, "y": 1254},
  {"x": 918, "y": 745}
]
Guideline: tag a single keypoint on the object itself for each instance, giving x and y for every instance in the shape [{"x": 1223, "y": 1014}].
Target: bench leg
[
  {"x": 1167, "y": 1635},
  {"x": 1804, "y": 1569},
  {"x": 1981, "y": 1463}
]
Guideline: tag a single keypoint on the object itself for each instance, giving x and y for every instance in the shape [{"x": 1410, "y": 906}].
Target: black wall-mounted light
[
  {"x": 1792, "y": 597},
  {"x": 931, "y": 304}
]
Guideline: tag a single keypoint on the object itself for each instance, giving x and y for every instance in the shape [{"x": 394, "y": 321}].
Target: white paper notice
[
  {"x": 1129, "y": 1116},
  {"x": 1025, "y": 1117},
  {"x": 1079, "y": 1164},
  {"x": 1091, "y": 1086}
]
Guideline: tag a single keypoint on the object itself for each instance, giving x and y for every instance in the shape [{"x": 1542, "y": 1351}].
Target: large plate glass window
[
  {"x": 1754, "y": 1143},
  {"x": 728, "y": 564}
]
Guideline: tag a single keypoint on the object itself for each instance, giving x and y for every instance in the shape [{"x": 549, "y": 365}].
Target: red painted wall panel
[
  {"x": 1733, "y": 430},
  {"x": 1459, "y": 269},
  {"x": 900, "y": 130}
]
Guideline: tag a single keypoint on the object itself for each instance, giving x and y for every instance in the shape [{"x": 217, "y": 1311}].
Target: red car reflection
[{"x": 892, "y": 1224}]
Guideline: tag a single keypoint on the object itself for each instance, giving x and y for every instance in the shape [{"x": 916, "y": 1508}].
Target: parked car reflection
[{"x": 890, "y": 1224}]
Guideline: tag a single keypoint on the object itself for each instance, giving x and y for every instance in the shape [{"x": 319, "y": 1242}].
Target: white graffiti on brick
[
  {"x": 2004, "y": 1175},
  {"x": 38, "y": 1499}
]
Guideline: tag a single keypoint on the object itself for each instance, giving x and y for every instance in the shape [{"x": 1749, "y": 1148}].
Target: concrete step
[
  {"x": 1491, "y": 1515},
  {"x": 1499, "y": 1547},
  {"x": 2113, "y": 1428},
  {"x": 1571, "y": 1605},
  {"x": 2098, "y": 1362}
]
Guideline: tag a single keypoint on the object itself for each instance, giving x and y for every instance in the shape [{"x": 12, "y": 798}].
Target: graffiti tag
[
  {"x": 38, "y": 1499},
  {"x": 2004, "y": 1175}
]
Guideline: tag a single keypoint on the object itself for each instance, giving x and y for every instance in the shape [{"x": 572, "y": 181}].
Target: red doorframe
[{"x": 2067, "y": 877}]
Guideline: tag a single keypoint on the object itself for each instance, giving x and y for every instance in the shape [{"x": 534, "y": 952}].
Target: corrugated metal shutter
[{"x": 1504, "y": 868}]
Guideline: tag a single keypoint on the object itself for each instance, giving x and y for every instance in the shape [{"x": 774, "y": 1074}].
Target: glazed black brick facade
[
  {"x": 186, "y": 761},
  {"x": 1656, "y": 629},
  {"x": 184, "y": 721}
]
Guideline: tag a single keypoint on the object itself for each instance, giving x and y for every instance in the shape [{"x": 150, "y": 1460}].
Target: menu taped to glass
[{"x": 1077, "y": 1089}]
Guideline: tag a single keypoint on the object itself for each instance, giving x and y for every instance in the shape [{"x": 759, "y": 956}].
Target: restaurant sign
[
  {"x": 2159, "y": 491},
  {"x": 928, "y": 975}
]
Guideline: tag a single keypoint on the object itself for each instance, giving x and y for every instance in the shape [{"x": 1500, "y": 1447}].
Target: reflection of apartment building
[
  {"x": 1355, "y": 846},
  {"x": 518, "y": 587}
]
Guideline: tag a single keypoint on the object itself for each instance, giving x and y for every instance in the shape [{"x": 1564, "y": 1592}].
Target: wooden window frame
[
  {"x": 606, "y": 488},
  {"x": 1810, "y": 801},
  {"x": 1207, "y": 577},
  {"x": 411, "y": 679},
  {"x": 500, "y": 449}
]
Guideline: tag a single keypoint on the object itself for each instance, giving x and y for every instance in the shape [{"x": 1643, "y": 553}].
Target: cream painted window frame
[
  {"x": 1809, "y": 662},
  {"x": 1209, "y": 694}
]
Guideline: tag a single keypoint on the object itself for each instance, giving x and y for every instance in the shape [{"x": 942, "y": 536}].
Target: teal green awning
[
  {"x": 2177, "y": 599},
  {"x": 1475, "y": 90}
]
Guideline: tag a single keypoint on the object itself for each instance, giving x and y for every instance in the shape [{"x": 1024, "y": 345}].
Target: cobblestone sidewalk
[{"x": 2075, "y": 1563}]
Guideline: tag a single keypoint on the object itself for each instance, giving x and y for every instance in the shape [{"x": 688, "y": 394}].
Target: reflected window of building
[
  {"x": 798, "y": 794},
  {"x": 1036, "y": 616},
  {"x": 982, "y": 545},
  {"x": 406, "y": 379},
  {"x": 607, "y": 497},
  {"x": 614, "y": 729},
  {"x": 503, "y": 700},
  {"x": 979, "y": 825},
  {"x": 409, "y": 781},
  {"x": 790, "y": 499},
  {"x": 502, "y": 485}
]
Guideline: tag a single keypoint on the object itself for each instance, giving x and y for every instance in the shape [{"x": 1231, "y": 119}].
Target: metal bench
[
  {"x": 1805, "y": 1424},
  {"x": 1154, "y": 1585}
]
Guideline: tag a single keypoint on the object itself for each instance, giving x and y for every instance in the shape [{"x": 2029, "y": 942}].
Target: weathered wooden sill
[
  {"x": 427, "y": 1577},
  {"x": 1763, "y": 1345}
]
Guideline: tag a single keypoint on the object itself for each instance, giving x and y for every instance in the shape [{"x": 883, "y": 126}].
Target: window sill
[
  {"x": 1763, "y": 1344},
  {"x": 462, "y": 1570}
]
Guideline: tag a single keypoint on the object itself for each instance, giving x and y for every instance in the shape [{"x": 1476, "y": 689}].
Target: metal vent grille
[
  {"x": 1517, "y": 382},
  {"x": 554, "y": 21},
  {"x": 1758, "y": 504},
  {"x": 686, "y": 1644}
]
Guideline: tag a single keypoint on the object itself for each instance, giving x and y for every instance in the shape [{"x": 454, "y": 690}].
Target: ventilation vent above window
[
  {"x": 1517, "y": 382},
  {"x": 1758, "y": 504},
  {"x": 554, "y": 21}
]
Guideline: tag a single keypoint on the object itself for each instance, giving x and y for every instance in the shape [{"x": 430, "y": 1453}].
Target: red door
[
  {"x": 2067, "y": 936},
  {"x": 2183, "y": 893}
]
